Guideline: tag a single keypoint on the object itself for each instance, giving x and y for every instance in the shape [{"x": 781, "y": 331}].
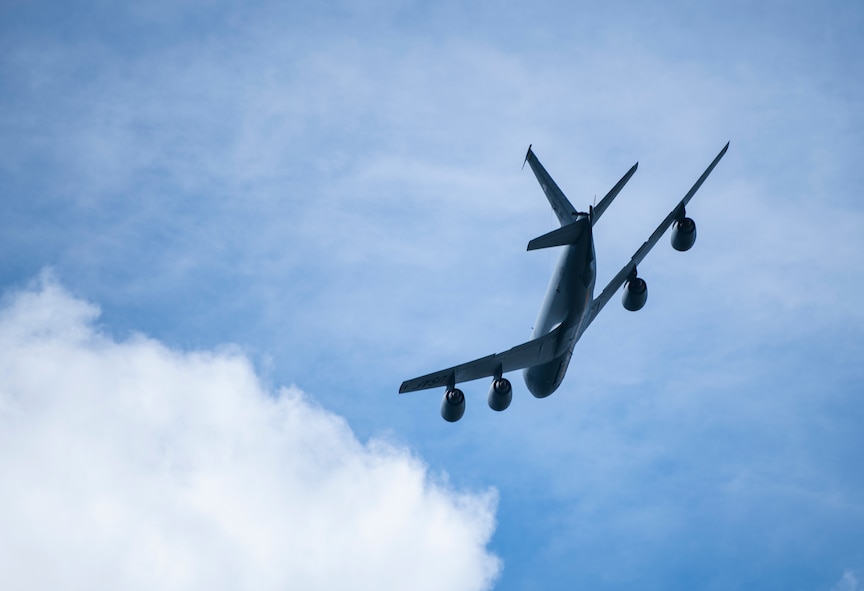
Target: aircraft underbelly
[
  {"x": 542, "y": 380},
  {"x": 567, "y": 298},
  {"x": 570, "y": 289}
]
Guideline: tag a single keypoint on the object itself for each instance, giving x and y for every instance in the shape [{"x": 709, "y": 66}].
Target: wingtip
[{"x": 527, "y": 155}]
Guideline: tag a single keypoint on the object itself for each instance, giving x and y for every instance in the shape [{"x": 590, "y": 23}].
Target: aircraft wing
[
  {"x": 539, "y": 350},
  {"x": 619, "y": 279}
]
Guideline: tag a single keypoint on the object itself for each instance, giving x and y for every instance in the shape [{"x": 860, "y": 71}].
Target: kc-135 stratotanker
[{"x": 569, "y": 306}]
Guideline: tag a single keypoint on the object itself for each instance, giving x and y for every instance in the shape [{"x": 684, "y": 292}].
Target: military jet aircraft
[{"x": 569, "y": 306}]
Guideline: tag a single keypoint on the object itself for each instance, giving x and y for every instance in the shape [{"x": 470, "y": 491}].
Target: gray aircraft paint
[{"x": 569, "y": 305}]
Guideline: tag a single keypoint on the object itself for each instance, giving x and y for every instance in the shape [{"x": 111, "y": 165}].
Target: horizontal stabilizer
[
  {"x": 604, "y": 203},
  {"x": 564, "y": 235}
]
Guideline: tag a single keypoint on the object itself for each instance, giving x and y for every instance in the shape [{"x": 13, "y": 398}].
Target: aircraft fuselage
[
  {"x": 569, "y": 305},
  {"x": 567, "y": 301}
]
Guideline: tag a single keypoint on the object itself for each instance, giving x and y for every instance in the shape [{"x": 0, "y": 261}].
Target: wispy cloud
[{"x": 849, "y": 582}]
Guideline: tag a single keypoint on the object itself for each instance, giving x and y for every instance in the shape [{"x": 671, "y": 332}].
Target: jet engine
[
  {"x": 683, "y": 234},
  {"x": 635, "y": 294},
  {"x": 500, "y": 394},
  {"x": 453, "y": 405}
]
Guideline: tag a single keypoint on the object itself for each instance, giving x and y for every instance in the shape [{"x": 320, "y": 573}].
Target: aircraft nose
[{"x": 538, "y": 384}]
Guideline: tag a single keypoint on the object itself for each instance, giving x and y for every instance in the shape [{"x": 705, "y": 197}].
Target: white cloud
[
  {"x": 847, "y": 583},
  {"x": 130, "y": 465}
]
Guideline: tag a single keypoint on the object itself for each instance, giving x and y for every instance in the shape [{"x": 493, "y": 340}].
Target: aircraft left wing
[
  {"x": 619, "y": 279},
  {"x": 539, "y": 350}
]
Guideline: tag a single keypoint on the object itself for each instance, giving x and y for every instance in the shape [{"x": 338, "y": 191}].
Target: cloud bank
[{"x": 130, "y": 465}]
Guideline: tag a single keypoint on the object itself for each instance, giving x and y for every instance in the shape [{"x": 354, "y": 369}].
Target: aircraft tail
[
  {"x": 598, "y": 210},
  {"x": 560, "y": 205},
  {"x": 564, "y": 235}
]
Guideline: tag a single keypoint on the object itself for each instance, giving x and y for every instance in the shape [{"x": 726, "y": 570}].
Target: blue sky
[{"x": 331, "y": 193}]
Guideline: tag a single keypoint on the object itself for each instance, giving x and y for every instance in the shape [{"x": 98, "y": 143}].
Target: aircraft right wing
[
  {"x": 539, "y": 350},
  {"x": 619, "y": 279}
]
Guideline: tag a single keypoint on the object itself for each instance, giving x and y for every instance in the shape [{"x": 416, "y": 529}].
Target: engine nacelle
[
  {"x": 635, "y": 294},
  {"x": 453, "y": 405},
  {"x": 683, "y": 234},
  {"x": 500, "y": 394}
]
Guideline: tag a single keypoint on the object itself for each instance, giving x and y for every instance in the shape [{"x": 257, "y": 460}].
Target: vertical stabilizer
[{"x": 560, "y": 205}]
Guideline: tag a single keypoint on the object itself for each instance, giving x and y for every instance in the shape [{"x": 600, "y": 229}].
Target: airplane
[{"x": 569, "y": 306}]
